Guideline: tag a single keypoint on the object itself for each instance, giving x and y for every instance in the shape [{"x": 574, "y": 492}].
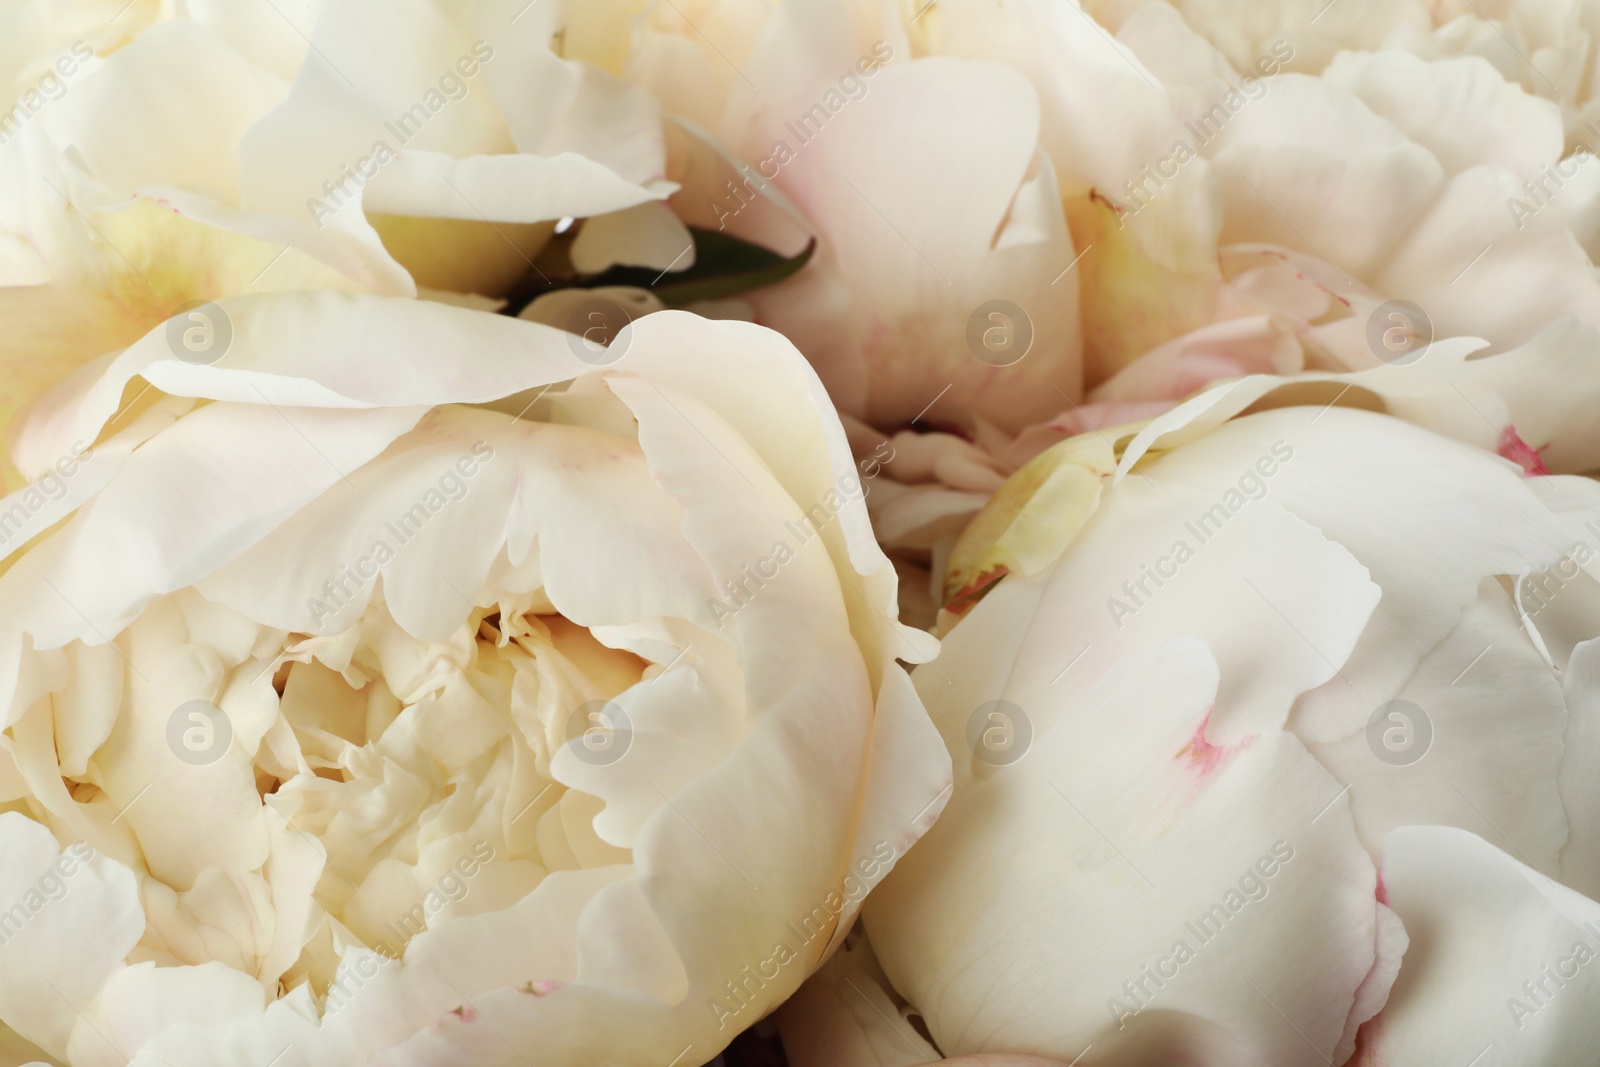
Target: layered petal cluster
[
  {"x": 1347, "y": 175},
  {"x": 151, "y": 165},
  {"x": 1545, "y": 46},
  {"x": 924, "y": 178},
  {"x": 1238, "y": 718},
  {"x": 401, "y": 688},
  {"x": 1168, "y": 195}
]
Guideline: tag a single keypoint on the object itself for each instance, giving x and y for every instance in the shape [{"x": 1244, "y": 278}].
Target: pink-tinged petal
[
  {"x": 1545, "y": 388},
  {"x": 1518, "y": 451},
  {"x": 1166, "y": 546},
  {"x": 1392, "y": 942},
  {"x": 1232, "y": 348},
  {"x": 1163, "y": 899},
  {"x": 933, "y": 255}
]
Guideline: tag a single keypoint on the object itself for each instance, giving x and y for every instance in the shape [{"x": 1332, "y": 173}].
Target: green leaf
[{"x": 724, "y": 266}]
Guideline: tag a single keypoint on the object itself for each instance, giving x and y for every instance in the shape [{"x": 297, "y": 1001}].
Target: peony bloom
[
  {"x": 149, "y": 167},
  {"x": 1171, "y": 196},
  {"x": 419, "y": 686},
  {"x": 1545, "y": 46},
  {"x": 1254, "y": 698},
  {"x": 939, "y": 281},
  {"x": 1351, "y": 179}
]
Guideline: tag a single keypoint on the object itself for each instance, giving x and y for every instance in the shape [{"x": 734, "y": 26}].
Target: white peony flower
[
  {"x": 419, "y": 686},
  {"x": 1232, "y": 657},
  {"x": 155, "y": 166}
]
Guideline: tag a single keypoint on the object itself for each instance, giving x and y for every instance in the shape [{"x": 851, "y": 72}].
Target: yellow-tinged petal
[
  {"x": 118, "y": 280},
  {"x": 1130, "y": 300},
  {"x": 1030, "y": 521}
]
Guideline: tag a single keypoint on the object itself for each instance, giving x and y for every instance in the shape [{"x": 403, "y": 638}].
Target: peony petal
[
  {"x": 1579, "y": 785},
  {"x": 648, "y": 235},
  {"x": 72, "y": 915},
  {"x": 1310, "y": 167},
  {"x": 844, "y": 1017},
  {"x": 1534, "y": 271},
  {"x": 1108, "y": 815},
  {"x": 1494, "y": 947},
  {"x": 1340, "y": 479},
  {"x": 463, "y": 488},
  {"x": 934, "y": 267},
  {"x": 1461, "y": 110},
  {"x": 1310, "y": 599},
  {"x": 215, "y": 482},
  {"x": 1483, "y": 762},
  {"x": 317, "y": 350},
  {"x": 174, "y": 68}
]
